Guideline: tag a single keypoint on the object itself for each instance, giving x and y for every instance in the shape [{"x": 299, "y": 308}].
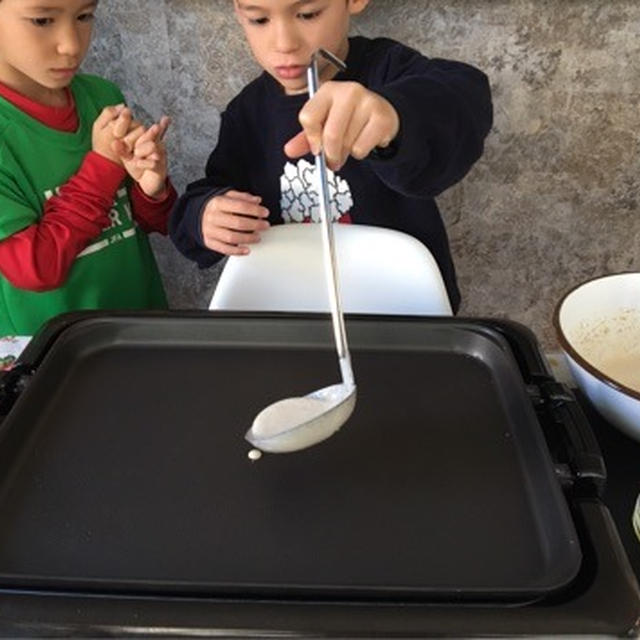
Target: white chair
[{"x": 380, "y": 271}]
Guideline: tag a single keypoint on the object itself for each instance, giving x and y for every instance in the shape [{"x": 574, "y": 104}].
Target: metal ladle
[{"x": 297, "y": 423}]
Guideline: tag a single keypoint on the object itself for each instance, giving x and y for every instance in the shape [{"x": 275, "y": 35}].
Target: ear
[
  {"x": 356, "y": 6},
  {"x": 236, "y": 11}
]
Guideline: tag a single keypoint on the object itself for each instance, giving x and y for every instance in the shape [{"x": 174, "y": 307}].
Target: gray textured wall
[{"x": 555, "y": 198}]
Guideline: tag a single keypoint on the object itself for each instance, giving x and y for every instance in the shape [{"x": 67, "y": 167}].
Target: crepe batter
[{"x": 278, "y": 417}]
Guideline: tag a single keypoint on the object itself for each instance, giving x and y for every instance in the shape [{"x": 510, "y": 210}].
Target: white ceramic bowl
[{"x": 598, "y": 327}]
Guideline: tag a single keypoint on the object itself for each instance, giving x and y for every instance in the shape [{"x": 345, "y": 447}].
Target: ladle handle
[{"x": 330, "y": 263}]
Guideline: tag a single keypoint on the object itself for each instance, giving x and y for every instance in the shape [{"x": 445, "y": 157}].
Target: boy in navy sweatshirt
[{"x": 397, "y": 129}]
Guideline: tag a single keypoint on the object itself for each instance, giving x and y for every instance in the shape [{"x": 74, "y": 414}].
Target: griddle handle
[{"x": 584, "y": 455}]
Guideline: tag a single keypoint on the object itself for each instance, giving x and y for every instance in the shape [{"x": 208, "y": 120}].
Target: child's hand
[
  {"x": 345, "y": 119},
  {"x": 144, "y": 156},
  {"x": 113, "y": 122},
  {"x": 233, "y": 220}
]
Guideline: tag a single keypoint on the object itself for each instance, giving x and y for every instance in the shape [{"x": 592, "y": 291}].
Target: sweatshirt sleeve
[
  {"x": 39, "y": 257},
  {"x": 225, "y": 170},
  {"x": 445, "y": 114}
]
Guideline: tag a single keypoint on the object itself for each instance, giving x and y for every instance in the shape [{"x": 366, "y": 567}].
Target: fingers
[
  {"x": 248, "y": 197},
  {"x": 149, "y": 144},
  {"x": 120, "y": 149},
  {"x": 108, "y": 114},
  {"x": 163, "y": 125},
  {"x": 329, "y": 122},
  {"x": 133, "y": 134},
  {"x": 149, "y": 164},
  {"x": 147, "y": 136},
  {"x": 122, "y": 123},
  {"x": 342, "y": 127},
  {"x": 146, "y": 148},
  {"x": 298, "y": 146},
  {"x": 343, "y": 119},
  {"x": 241, "y": 204},
  {"x": 232, "y": 221},
  {"x": 156, "y": 131},
  {"x": 145, "y": 145},
  {"x": 366, "y": 141},
  {"x": 121, "y": 138},
  {"x": 332, "y": 120},
  {"x": 130, "y": 141},
  {"x": 312, "y": 118},
  {"x": 365, "y": 133}
]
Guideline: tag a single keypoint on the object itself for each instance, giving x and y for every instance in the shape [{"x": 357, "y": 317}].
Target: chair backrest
[{"x": 380, "y": 271}]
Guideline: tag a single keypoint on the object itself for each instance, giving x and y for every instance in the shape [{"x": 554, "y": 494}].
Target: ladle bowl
[{"x": 293, "y": 424}]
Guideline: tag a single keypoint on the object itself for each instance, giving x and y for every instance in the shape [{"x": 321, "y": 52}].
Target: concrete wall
[{"x": 554, "y": 199}]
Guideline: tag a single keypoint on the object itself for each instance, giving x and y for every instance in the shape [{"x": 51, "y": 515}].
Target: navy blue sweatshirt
[{"x": 445, "y": 114}]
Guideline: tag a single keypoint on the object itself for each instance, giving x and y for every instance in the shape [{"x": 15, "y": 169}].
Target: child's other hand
[
  {"x": 144, "y": 156},
  {"x": 233, "y": 220},
  {"x": 345, "y": 119}
]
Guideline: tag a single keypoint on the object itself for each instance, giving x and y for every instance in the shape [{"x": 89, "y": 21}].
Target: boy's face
[
  {"x": 42, "y": 43},
  {"x": 283, "y": 34}
]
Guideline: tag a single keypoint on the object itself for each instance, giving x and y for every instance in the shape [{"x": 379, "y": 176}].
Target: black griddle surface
[{"x": 129, "y": 473}]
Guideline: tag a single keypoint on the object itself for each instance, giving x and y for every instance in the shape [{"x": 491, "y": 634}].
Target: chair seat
[{"x": 380, "y": 271}]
